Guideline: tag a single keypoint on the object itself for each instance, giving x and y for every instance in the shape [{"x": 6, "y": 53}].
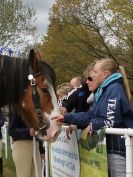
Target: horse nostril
[{"x": 44, "y": 124}]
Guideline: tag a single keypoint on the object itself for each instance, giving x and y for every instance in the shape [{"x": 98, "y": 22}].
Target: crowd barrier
[
  {"x": 65, "y": 158},
  {"x": 4, "y": 139}
]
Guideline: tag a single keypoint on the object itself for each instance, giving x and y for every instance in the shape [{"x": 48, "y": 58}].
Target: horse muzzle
[
  {"x": 44, "y": 125},
  {"x": 50, "y": 134}
]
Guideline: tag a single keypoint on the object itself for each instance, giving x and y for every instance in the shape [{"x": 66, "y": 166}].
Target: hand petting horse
[{"x": 30, "y": 83}]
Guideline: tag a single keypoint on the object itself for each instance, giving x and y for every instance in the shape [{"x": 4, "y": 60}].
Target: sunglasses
[{"x": 89, "y": 78}]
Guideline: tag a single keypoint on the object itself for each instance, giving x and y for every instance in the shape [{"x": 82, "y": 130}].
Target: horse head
[{"x": 39, "y": 103}]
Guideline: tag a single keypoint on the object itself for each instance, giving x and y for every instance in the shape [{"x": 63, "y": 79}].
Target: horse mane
[{"x": 14, "y": 77}]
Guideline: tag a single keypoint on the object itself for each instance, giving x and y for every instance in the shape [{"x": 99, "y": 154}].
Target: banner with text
[{"x": 80, "y": 156}]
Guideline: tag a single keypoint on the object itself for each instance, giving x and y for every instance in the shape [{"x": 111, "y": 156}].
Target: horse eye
[{"x": 45, "y": 90}]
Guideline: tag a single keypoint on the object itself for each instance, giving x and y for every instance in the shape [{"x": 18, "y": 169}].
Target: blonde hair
[
  {"x": 63, "y": 89},
  {"x": 111, "y": 66},
  {"x": 108, "y": 64},
  {"x": 88, "y": 69}
]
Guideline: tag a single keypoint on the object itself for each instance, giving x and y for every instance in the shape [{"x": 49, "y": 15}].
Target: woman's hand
[
  {"x": 59, "y": 119},
  {"x": 32, "y": 132},
  {"x": 88, "y": 130},
  {"x": 69, "y": 130}
]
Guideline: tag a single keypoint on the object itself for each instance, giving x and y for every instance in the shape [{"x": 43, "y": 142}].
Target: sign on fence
[
  {"x": 84, "y": 156},
  {"x": 65, "y": 156}
]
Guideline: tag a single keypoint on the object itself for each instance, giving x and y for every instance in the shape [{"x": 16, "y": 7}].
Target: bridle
[{"x": 44, "y": 123}]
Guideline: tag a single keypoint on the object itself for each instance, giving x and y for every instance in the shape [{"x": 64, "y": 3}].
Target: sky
[{"x": 42, "y": 8}]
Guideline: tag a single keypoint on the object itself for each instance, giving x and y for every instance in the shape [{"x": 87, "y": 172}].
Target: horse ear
[
  {"x": 32, "y": 56},
  {"x": 33, "y": 61},
  {"x": 38, "y": 56}
]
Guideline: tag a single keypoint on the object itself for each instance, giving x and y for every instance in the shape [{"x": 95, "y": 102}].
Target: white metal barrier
[
  {"x": 4, "y": 138},
  {"x": 46, "y": 158},
  {"x": 126, "y": 133}
]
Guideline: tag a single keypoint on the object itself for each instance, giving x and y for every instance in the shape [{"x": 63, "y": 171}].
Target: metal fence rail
[{"x": 128, "y": 135}]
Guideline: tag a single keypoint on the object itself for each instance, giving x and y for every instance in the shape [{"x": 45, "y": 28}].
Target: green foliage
[
  {"x": 9, "y": 168},
  {"x": 62, "y": 53},
  {"x": 92, "y": 162},
  {"x": 122, "y": 21},
  {"x": 82, "y": 31},
  {"x": 15, "y": 21}
]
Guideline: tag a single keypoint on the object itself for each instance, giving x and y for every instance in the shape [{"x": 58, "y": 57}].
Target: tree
[
  {"x": 15, "y": 22},
  {"x": 83, "y": 30},
  {"x": 64, "y": 51},
  {"x": 109, "y": 22}
]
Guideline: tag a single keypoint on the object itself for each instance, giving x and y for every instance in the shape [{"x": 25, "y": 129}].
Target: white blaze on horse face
[
  {"x": 56, "y": 110},
  {"x": 55, "y": 129}
]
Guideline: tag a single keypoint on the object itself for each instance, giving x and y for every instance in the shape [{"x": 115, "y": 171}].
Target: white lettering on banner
[
  {"x": 65, "y": 156},
  {"x": 110, "y": 112}
]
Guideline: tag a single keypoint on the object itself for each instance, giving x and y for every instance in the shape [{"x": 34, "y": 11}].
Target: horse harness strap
[{"x": 37, "y": 103}]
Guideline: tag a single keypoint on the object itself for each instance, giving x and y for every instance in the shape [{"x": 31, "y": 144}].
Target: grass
[
  {"x": 93, "y": 170},
  {"x": 90, "y": 160},
  {"x": 8, "y": 164}
]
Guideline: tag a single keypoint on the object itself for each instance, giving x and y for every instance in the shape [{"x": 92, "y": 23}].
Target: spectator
[
  {"x": 92, "y": 86},
  {"x": 77, "y": 98},
  {"x": 111, "y": 108},
  {"x": 22, "y": 146},
  {"x": 77, "y": 82},
  {"x": 2, "y": 120},
  {"x": 62, "y": 92}
]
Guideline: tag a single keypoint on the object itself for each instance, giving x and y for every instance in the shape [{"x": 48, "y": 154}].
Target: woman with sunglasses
[{"x": 92, "y": 86}]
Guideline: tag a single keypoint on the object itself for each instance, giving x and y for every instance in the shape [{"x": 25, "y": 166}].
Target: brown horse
[{"x": 30, "y": 83}]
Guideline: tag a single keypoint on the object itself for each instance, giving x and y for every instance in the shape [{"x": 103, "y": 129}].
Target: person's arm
[
  {"x": 14, "y": 129},
  {"x": 81, "y": 119},
  {"x": 111, "y": 113}
]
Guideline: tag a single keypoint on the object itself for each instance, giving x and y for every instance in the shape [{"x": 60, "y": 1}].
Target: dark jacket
[
  {"x": 2, "y": 120},
  {"x": 112, "y": 110},
  {"x": 77, "y": 100},
  {"x": 18, "y": 130}
]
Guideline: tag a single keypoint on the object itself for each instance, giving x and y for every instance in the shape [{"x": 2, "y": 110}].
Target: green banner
[{"x": 93, "y": 156}]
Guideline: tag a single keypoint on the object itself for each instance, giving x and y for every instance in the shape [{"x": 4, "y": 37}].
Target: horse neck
[{"x": 13, "y": 79}]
